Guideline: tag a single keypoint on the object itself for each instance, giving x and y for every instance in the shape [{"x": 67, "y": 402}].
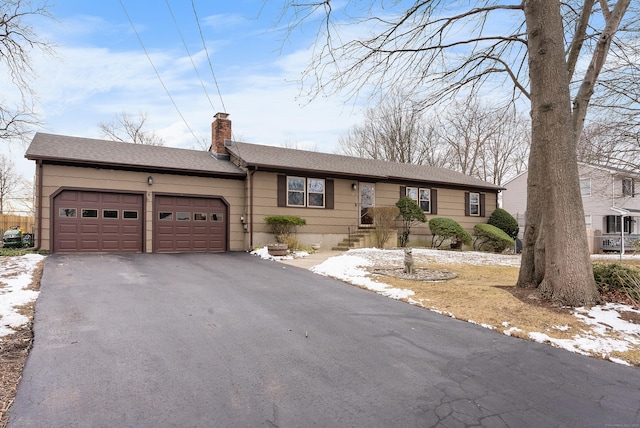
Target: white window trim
[
  {"x": 585, "y": 179},
  {"x": 303, "y": 191},
  {"x": 323, "y": 193},
  {"x": 417, "y": 199},
  {"x": 471, "y": 204}
]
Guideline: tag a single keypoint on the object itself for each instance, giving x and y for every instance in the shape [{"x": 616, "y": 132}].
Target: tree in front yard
[{"x": 410, "y": 214}]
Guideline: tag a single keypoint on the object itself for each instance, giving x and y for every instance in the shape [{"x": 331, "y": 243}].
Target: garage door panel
[
  {"x": 195, "y": 232},
  {"x": 107, "y": 231}
]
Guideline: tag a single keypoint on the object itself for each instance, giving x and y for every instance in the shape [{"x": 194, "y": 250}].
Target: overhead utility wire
[
  {"x": 193, "y": 6},
  {"x": 190, "y": 56},
  {"x": 156, "y": 70}
]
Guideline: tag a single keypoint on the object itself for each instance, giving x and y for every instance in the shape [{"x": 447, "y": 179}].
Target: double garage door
[{"x": 86, "y": 221}]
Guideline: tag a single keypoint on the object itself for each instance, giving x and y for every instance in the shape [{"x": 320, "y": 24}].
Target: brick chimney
[{"x": 220, "y": 131}]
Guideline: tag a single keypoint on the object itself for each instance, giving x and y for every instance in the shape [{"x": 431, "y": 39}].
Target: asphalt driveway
[{"x": 230, "y": 340}]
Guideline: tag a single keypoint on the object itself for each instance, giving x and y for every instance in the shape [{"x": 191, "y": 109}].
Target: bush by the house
[
  {"x": 505, "y": 222},
  {"x": 384, "y": 220},
  {"x": 618, "y": 279},
  {"x": 282, "y": 226},
  {"x": 489, "y": 238},
  {"x": 446, "y": 228},
  {"x": 411, "y": 214}
]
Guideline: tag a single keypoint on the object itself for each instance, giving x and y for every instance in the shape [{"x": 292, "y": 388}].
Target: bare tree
[
  {"x": 537, "y": 48},
  {"x": 10, "y": 182},
  {"x": 17, "y": 40},
  {"x": 129, "y": 129},
  {"x": 394, "y": 130}
]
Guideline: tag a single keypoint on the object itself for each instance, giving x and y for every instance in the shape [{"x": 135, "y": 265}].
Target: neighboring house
[
  {"x": 102, "y": 196},
  {"x": 611, "y": 205}
]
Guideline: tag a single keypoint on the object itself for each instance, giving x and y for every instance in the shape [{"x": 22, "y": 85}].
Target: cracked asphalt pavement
[{"x": 231, "y": 340}]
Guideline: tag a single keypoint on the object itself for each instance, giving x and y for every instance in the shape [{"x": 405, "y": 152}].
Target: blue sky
[{"x": 100, "y": 69}]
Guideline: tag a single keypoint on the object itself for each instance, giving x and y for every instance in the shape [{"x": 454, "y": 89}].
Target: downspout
[
  {"x": 251, "y": 172},
  {"x": 39, "y": 203}
]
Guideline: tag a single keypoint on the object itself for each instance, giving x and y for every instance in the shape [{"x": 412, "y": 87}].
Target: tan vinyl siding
[{"x": 57, "y": 177}]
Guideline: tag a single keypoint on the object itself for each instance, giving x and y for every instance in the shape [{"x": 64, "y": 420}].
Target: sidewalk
[{"x": 312, "y": 259}]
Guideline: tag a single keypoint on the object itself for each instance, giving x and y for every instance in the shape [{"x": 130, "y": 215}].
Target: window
[
  {"x": 474, "y": 204},
  {"x": 129, "y": 215},
  {"x": 199, "y": 217},
  {"x": 183, "y": 216},
  {"x": 216, "y": 217},
  {"x": 421, "y": 196},
  {"x": 315, "y": 192},
  {"x": 89, "y": 213},
  {"x": 628, "y": 187},
  {"x": 305, "y": 192},
  {"x": 295, "y": 191},
  {"x": 67, "y": 212},
  {"x": 165, "y": 216},
  {"x": 109, "y": 213},
  {"x": 585, "y": 186},
  {"x": 587, "y": 220},
  {"x": 613, "y": 224}
]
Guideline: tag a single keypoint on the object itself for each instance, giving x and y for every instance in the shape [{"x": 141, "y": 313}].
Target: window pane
[
  {"x": 295, "y": 183},
  {"x": 183, "y": 216},
  {"x": 109, "y": 213},
  {"x": 130, "y": 215},
  {"x": 585, "y": 186},
  {"x": 425, "y": 206},
  {"x": 316, "y": 200},
  {"x": 199, "y": 217},
  {"x": 216, "y": 217},
  {"x": 316, "y": 186},
  {"x": 412, "y": 192},
  {"x": 295, "y": 198},
  {"x": 165, "y": 216},
  {"x": 89, "y": 213},
  {"x": 67, "y": 212},
  {"x": 474, "y": 198}
]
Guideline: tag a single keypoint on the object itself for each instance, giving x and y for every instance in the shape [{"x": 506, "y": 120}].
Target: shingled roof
[
  {"x": 283, "y": 159},
  {"x": 86, "y": 151}
]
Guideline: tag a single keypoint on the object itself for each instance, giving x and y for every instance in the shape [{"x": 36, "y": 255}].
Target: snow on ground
[
  {"x": 610, "y": 332},
  {"x": 16, "y": 274}
]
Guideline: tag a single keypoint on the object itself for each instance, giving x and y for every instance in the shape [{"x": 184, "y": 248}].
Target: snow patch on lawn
[{"x": 16, "y": 274}]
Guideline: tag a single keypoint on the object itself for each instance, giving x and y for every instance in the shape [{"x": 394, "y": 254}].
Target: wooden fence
[{"x": 7, "y": 221}]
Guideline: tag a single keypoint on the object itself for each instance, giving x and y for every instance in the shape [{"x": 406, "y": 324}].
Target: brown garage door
[
  {"x": 189, "y": 224},
  {"x": 97, "y": 221}
]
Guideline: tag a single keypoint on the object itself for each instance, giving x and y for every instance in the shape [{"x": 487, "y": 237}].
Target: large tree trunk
[{"x": 558, "y": 261}]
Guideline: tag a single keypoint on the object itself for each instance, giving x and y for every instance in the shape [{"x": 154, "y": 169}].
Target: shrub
[
  {"x": 446, "y": 228},
  {"x": 410, "y": 214},
  {"x": 284, "y": 225},
  {"x": 384, "y": 219},
  {"x": 618, "y": 279},
  {"x": 489, "y": 238},
  {"x": 505, "y": 222}
]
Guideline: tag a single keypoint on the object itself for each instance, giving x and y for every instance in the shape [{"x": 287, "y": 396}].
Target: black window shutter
[
  {"x": 282, "y": 190},
  {"x": 482, "y": 210},
  {"x": 466, "y": 204},
  {"x": 403, "y": 191},
  {"x": 434, "y": 201},
  {"x": 328, "y": 194}
]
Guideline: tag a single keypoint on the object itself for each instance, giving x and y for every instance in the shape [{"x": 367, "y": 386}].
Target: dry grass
[
  {"x": 486, "y": 295},
  {"x": 14, "y": 349}
]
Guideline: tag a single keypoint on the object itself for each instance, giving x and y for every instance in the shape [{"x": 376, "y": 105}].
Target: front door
[{"x": 367, "y": 200}]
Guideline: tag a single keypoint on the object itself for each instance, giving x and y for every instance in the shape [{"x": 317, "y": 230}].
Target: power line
[
  {"x": 193, "y": 6},
  {"x": 156, "y": 71},
  {"x": 190, "y": 56}
]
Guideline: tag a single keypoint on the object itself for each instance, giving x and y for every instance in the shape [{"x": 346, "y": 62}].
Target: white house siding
[{"x": 606, "y": 192}]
